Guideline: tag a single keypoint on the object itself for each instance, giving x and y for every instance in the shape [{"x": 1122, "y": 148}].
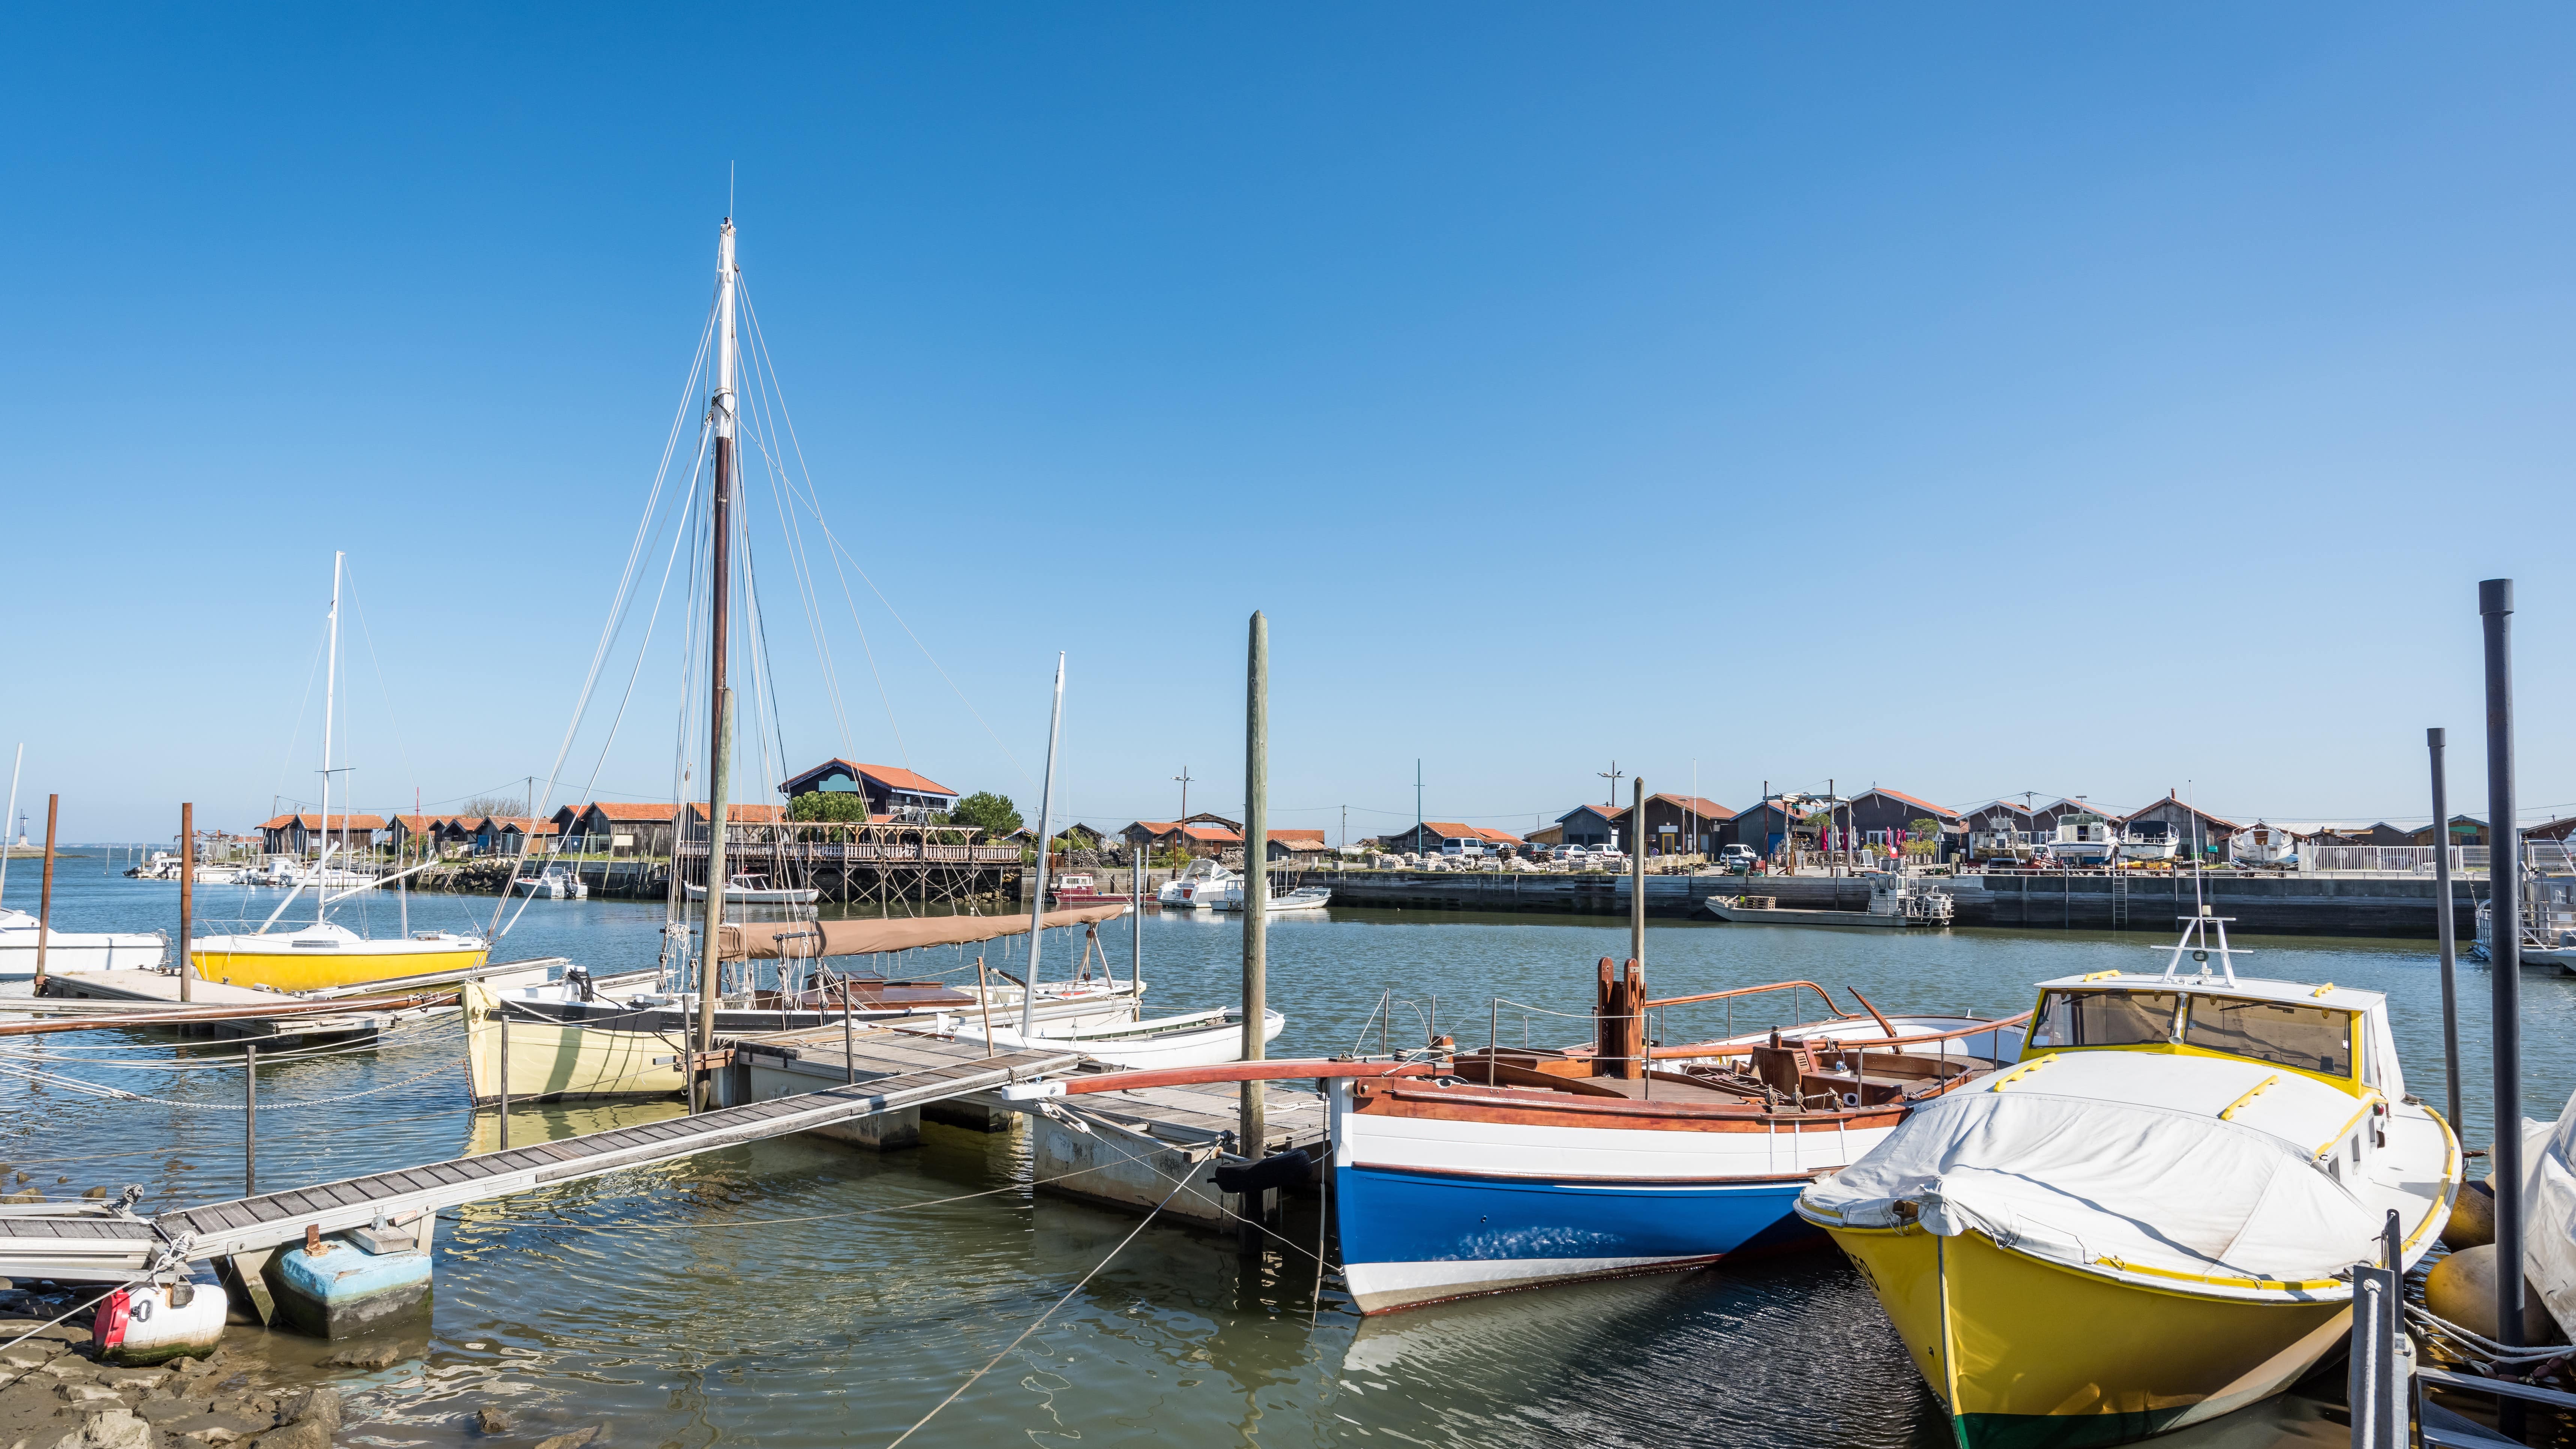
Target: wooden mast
[{"x": 720, "y": 409}]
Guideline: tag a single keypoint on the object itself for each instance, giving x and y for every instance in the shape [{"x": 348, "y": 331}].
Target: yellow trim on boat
[
  {"x": 2351, "y": 1122},
  {"x": 2268, "y": 1284},
  {"x": 2228, "y": 1112},
  {"x": 2019, "y": 1072},
  {"x": 2100, "y": 976}
]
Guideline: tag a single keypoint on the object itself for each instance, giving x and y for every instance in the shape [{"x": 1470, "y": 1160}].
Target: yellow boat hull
[
  {"x": 316, "y": 970},
  {"x": 2029, "y": 1355},
  {"x": 552, "y": 1062}
]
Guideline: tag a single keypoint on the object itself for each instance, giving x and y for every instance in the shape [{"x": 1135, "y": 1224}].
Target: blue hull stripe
[{"x": 1393, "y": 1216}]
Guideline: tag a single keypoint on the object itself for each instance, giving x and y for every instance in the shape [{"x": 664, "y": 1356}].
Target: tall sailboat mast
[
  {"x": 719, "y": 695},
  {"x": 330, "y": 692}
]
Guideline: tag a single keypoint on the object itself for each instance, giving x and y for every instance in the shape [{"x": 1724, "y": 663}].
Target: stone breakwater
[{"x": 55, "y": 1394}]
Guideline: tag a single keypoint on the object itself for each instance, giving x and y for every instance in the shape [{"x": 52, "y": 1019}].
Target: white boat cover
[{"x": 2078, "y": 1179}]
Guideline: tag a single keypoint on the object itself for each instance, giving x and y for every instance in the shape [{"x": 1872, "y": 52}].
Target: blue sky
[{"x": 2066, "y": 399}]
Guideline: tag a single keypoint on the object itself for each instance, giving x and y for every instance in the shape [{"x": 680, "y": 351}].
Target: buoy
[
  {"x": 2472, "y": 1221},
  {"x": 2462, "y": 1287}
]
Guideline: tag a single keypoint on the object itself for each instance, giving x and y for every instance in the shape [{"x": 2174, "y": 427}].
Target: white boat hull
[
  {"x": 75, "y": 950},
  {"x": 1207, "y": 1039}
]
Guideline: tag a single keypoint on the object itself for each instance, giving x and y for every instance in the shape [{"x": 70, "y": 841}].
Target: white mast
[{"x": 330, "y": 688}]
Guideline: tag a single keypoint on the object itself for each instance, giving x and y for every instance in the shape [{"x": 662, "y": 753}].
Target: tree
[
  {"x": 506, "y": 807},
  {"x": 993, "y": 814},
  {"x": 843, "y": 807}
]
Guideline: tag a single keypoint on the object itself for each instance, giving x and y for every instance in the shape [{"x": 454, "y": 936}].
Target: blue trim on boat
[{"x": 1391, "y": 1215}]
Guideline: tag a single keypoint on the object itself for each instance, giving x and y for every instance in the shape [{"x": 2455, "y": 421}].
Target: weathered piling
[
  {"x": 1252, "y": 1132},
  {"x": 2504, "y": 951},
  {"x": 187, "y": 895},
  {"x": 2445, "y": 929}
]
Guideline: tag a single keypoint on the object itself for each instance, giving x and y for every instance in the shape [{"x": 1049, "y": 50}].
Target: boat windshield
[
  {"x": 2105, "y": 1018},
  {"x": 2310, "y": 1038}
]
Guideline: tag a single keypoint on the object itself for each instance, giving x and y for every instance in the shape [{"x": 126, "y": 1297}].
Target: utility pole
[
  {"x": 1184, "y": 778},
  {"x": 1346, "y": 825},
  {"x": 1612, "y": 775},
  {"x": 1417, "y": 804}
]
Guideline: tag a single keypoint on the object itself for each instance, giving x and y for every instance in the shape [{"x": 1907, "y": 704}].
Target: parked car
[{"x": 1737, "y": 859}]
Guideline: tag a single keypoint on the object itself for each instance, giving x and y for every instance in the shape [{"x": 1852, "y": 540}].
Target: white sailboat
[{"x": 326, "y": 953}]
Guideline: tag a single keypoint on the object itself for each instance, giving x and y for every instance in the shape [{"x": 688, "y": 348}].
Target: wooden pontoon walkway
[{"x": 59, "y": 1243}]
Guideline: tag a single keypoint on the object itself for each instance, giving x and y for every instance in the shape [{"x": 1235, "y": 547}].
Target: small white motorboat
[
  {"x": 1304, "y": 898},
  {"x": 756, "y": 890},
  {"x": 74, "y": 950},
  {"x": 1200, "y": 887},
  {"x": 1197, "y": 1039},
  {"x": 555, "y": 883}
]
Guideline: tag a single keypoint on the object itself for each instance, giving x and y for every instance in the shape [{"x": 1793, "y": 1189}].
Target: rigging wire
[
  {"x": 812, "y": 501},
  {"x": 621, "y": 599},
  {"x": 765, "y": 385}
]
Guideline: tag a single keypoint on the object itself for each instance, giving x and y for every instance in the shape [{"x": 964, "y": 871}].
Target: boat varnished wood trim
[
  {"x": 1625, "y": 1112},
  {"x": 1578, "y": 1180}
]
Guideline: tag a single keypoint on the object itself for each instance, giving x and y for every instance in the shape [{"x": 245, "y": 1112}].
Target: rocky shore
[{"x": 54, "y": 1395}]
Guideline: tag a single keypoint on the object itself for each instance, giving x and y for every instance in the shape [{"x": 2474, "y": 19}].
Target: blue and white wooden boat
[{"x": 1516, "y": 1168}]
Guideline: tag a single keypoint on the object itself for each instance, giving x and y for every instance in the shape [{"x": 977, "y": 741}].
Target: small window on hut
[{"x": 2311, "y": 1038}]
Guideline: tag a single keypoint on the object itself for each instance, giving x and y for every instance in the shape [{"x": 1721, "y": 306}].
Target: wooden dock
[
  {"x": 63, "y": 1242},
  {"x": 1123, "y": 1149}
]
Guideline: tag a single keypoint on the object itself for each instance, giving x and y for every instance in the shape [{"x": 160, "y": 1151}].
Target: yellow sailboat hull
[
  {"x": 2029, "y": 1355},
  {"x": 312, "y": 970},
  {"x": 559, "y": 1062}
]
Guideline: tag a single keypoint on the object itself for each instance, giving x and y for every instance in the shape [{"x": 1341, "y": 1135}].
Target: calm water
[{"x": 802, "y": 1292}]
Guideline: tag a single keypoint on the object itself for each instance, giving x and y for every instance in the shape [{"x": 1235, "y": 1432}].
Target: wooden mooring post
[
  {"x": 1253, "y": 1133},
  {"x": 187, "y": 894}
]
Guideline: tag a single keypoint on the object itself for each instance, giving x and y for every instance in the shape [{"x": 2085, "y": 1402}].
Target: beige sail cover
[{"x": 774, "y": 940}]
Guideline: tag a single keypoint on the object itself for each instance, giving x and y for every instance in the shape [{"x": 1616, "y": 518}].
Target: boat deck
[{"x": 109, "y": 995}]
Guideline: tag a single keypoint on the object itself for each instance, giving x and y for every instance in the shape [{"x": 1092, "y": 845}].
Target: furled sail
[{"x": 776, "y": 940}]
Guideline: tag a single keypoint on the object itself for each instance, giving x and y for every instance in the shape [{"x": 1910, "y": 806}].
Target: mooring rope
[
  {"x": 1040, "y": 1320},
  {"x": 2485, "y": 1349},
  {"x": 118, "y": 1094}
]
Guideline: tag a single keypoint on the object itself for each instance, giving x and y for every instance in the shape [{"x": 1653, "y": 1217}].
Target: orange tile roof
[
  {"x": 1315, "y": 835},
  {"x": 1210, "y": 832},
  {"x": 654, "y": 811},
  {"x": 312, "y": 820},
  {"x": 1456, "y": 830}
]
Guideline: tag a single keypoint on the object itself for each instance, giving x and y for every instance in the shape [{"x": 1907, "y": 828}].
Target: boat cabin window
[
  {"x": 2105, "y": 1018},
  {"x": 2310, "y": 1038}
]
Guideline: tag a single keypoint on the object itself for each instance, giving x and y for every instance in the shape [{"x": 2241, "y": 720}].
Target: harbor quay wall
[{"x": 2289, "y": 905}]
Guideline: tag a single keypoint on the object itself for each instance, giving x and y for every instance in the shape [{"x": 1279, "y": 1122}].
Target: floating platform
[{"x": 351, "y": 1283}]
